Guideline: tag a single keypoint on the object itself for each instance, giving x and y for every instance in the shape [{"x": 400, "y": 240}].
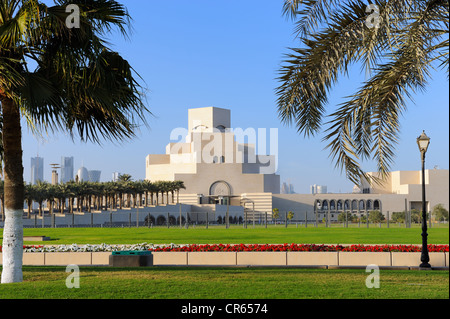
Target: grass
[
  {"x": 226, "y": 283},
  {"x": 230, "y": 283},
  {"x": 237, "y": 234}
]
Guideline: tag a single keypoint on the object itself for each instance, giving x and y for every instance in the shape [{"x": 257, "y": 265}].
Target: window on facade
[{"x": 376, "y": 205}]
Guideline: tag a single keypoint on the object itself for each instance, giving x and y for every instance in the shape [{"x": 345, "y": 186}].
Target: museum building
[{"x": 220, "y": 172}]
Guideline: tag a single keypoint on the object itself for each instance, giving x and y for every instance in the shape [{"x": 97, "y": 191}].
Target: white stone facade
[
  {"x": 401, "y": 191},
  {"x": 214, "y": 167}
]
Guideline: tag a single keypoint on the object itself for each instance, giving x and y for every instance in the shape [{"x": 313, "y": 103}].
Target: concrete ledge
[
  {"x": 365, "y": 258},
  {"x": 32, "y": 259},
  {"x": 35, "y": 238},
  {"x": 276, "y": 258},
  {"x": 64, "y": 259},
  {"x": 388, "y": 260},
  {"x": 212, "y": 258},
  {"x": 413, "y": 259},
  {"x": 170, "y": 258},
  {"x": 312, "y": 258},
  {"x": 100, "y": 258}
]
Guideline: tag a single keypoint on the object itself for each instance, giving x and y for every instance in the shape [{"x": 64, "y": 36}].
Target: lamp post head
[{"x": 423, "y": 141}]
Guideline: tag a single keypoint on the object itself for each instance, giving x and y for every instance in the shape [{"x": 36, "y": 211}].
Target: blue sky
[{"x": 226, "y": 53}]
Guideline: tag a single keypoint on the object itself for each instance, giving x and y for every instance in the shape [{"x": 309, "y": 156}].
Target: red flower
[{"x": 304, "y": 247}]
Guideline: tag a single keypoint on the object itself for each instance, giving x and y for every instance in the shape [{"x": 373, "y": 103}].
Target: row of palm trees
[{"x": 84, "y": 196}]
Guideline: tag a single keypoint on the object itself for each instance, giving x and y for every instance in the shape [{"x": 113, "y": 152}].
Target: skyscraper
[
  {"x": 94, "y": 176},
  {"x": 66, "y": 169},
  {"x": 318, "y": 189},
  {"x": 37, "y": 169},
  {"x": 287, "y": 188},
  {"x": 115, "y": 176},
  {"x": 83, "y": 174}
]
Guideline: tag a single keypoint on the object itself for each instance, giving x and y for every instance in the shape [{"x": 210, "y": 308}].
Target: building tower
[
  {"x": 37, "y": 169},
  {"x": 94, "y": 176},
  {"x": 55, "y": 167},
  {"x": 83, "y": 174},
  {"x": 66, "y": 169}
]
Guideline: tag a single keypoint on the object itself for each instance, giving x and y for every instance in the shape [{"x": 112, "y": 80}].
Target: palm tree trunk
[
  {"x": 29, "y": 204},
  {"x": 63, "y": 202},
  {"x": 14, "y": 193},
  {"x": 3, "y": 208}
]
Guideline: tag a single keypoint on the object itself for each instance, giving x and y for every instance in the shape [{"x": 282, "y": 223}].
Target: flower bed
[
  {"x": 234, "y": 248},
  {"x": 302, "y": 247}
]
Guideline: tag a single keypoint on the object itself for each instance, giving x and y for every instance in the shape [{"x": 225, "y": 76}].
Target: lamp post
[{"x": 423, "y": 141}]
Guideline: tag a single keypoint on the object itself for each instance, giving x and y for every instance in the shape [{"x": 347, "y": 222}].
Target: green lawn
[
  {"x": 237, "y": 234},
  {"x": 226, "y": 283},
  {"x": 234, "y": 282}
]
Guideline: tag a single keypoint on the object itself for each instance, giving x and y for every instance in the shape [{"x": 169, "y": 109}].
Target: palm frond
[
  {"x": 79, "y": 85},
  {"x": 397, "y": 54}
]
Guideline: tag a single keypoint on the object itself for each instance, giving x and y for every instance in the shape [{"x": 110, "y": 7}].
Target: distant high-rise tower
[
  {"x": 37, "y": 169},
  {"x": 115, "y": 176},
  {"x": 55, "y": 168},
  {"x": 318, "y": 189},
  {"x": 66, "y": 169},
  {"x": 83, "y": 174},
  {"x": 291, "y": 189},
  {"x": 94, "y": 176},
  {"x": 287, "y": 188}
]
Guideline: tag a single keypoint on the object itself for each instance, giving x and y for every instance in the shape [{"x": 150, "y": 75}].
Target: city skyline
[
  {"x": 229, "y": 58},
  {"x": 64, "y": 172}
]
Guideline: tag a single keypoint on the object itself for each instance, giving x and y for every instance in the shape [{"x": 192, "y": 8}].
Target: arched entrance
[{"x": 219, "y": 192}]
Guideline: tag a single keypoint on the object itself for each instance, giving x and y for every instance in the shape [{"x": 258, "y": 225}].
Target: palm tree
[
  {"x": 139, "y": 188},
  {"x": 99, "y": 190},
  {"x": 72, "y": 191},
  {"x": 40, "y": 195},
  {"x": 51, "y": 194},
  {"x": 110, "y": 191},
  {"x": 153, "y": 188},
  {"x": 125, "y": 178},
  {"x": 179, "y": 185},
  {"x": 29, "y": 197},
  {"x": 158, "y": 189},
  {"x": 397, "y": 42},
  {"x": 78, "y": 85},
  {"x": 121, "y": 190},
  {"x": 164, "y": 189}
]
